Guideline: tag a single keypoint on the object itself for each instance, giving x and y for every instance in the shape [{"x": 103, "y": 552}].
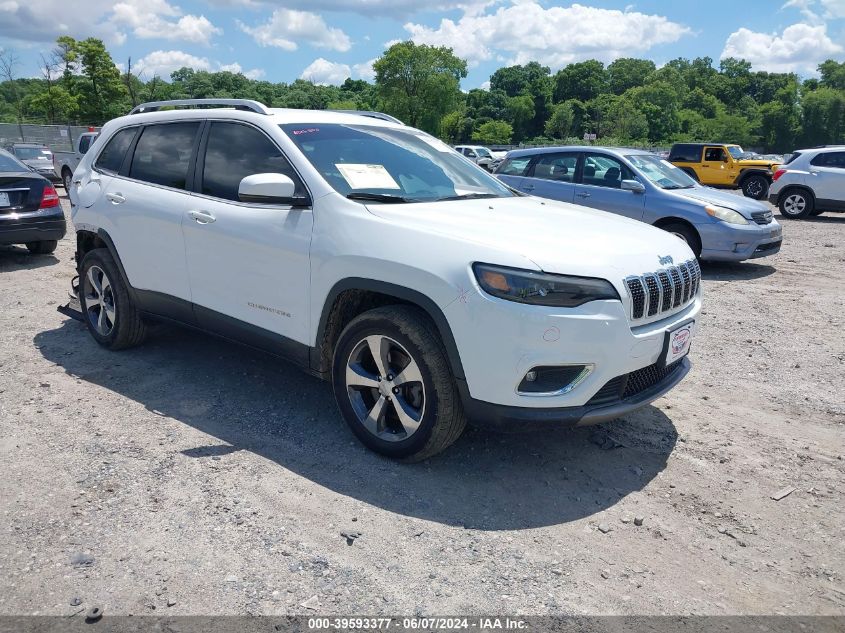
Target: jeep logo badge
[{"x": 665, "y": 260}]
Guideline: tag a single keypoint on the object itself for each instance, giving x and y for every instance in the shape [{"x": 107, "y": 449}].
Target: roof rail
[
  {"x": 372, "y": 115},
  {"x": 238, "y": 104}
]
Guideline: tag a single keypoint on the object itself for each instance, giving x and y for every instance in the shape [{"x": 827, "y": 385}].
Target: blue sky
[{"x": 327, "y": 40}]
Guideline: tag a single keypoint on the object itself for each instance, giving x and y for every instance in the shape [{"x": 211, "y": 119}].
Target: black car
[{"x": 30, "y": 211}]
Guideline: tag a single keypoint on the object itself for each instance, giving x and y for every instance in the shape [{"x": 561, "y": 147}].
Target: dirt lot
[{"x": 191, "y": 476}]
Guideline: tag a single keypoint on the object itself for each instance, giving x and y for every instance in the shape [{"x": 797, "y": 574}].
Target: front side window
[
  {"x": 163, "y": 153},
  {"x": 660, "y": 172},
  {"x": 235, "y": 151},
  {"x": 559, "y": 167},
  {"x": 390, "y": 164},
  {"x": 514, "y": 166},
  {"x": 829, "y": 159},
  {"x": 715, "y": 154},
  {"x": 604, "y": 171},
  {"x": 111, "y": 158}
]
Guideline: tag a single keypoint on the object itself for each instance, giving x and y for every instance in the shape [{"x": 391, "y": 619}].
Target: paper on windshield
[{"x": 367, "y": 176}]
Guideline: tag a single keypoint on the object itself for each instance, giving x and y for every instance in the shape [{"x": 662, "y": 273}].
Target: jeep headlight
[
  {"x": 526, "y": 286},
  {"x": 725, "y": 215}
]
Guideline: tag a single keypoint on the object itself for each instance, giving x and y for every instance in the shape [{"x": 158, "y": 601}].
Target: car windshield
[
  {"x": 28, "y": 153},
  {"x": 387, "y": 164},
  {"x": 660, "y": 172},
  {"x": 9, "y": 164},
  {"x": 736, "y": 151}
]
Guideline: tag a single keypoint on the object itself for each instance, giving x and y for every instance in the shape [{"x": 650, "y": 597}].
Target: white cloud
[
  {"x": 162, "y": 63},
  {"x": 555, "y": 36},
  {"x": 322, "y": 71},
  {"x": 368, "y": 8},
  {"x": 286, "y": 28},
  {"x": 830, "y": 9},
  {"x": 800, "y": 48},
  {"x": 158, "y": 19},
  {"x": 44, "y": 20},
  {"x": 834, "y": 9}
]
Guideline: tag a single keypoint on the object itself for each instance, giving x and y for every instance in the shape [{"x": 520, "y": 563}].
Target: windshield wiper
[
  {"x": 679, "y": 187},
  {"x": 377, "y": 197},
  {"x": 469, "y": 196}
]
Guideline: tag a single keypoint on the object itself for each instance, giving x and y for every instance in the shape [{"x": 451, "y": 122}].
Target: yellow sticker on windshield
[{"x": 361, "y": 176}]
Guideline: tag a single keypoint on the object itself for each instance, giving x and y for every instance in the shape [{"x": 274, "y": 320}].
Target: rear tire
[
  {"x": 755, "y": 186},
  {"x": 111, "y": 316},
  {"x": 796, "y": 204},
  {"x": 45, "y": 247},
  {"x": 405, "y": 405},
  {"x": 686, "y": 233}
]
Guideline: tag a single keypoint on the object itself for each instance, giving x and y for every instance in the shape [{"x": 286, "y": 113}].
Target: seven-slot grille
[{"x": 664, "y": 290}]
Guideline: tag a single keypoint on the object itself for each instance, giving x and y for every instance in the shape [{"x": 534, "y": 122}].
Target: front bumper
[
  {"x": 728, "y": 243},
  {"x": 22, "y": 230},
  {"x": 509, "y": 418}
]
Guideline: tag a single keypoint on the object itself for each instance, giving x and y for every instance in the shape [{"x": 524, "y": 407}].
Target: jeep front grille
[{"x": 663, "y": 290}]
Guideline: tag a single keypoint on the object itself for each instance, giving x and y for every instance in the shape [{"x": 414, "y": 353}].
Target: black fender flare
[
  {"x": 753, "y": 171},
  {"x": 426, "y": 304}
]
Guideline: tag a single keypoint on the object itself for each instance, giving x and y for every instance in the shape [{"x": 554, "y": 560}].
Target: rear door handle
[
  {"x": 528, "y": 188},
  {"x": 582, "y": 194},
  {"x": 202, "y": 217},
  {"x": 116, "y": 198}
]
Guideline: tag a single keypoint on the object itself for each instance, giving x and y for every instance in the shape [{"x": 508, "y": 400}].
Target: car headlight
[
  {"x": 725, "y": 215},
  {"x": 526, "y": 286}
]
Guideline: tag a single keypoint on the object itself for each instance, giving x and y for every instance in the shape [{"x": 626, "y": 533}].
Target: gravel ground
[{"x": 190, "y": 476}]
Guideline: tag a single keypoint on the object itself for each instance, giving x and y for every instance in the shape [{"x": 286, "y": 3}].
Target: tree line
[{"x": 629, "y": 101}]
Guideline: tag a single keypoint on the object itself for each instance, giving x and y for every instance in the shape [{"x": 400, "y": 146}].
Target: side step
[{"x": 73, "y": 309}]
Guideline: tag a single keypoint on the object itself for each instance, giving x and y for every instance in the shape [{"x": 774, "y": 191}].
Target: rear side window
[
  {"x": 829, "y": 159},
  {"x": 514, "y": 166},
  {"x": 235, "y": 151},
  {"x": 685, "y": 153},
  {"x": 163, "y": 153},
  {"x": 559, "y": 167},
  {"x": 111, "y": 158}
]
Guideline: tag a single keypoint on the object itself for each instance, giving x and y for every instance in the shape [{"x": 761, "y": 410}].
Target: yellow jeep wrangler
[{"x": 721, "y": 165}]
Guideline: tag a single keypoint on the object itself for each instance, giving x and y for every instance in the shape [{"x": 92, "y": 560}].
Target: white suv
[
  {"x": 374, "y": 256},
  {"x": 811, "y": 182}
]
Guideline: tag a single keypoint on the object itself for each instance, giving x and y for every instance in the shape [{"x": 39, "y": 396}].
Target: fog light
[
  {"x": 552, "y": 380},
  {"x": 531, "y": 376},
  {"x": 740, "y": 246}
]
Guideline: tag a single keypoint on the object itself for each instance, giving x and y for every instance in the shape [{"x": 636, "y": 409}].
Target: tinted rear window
[
  {"x": 685, "y": 153},
  {"x": 829, "y": 159},
  {"x": 163, "y": 154},
  {"x": 111, "y": 158}
]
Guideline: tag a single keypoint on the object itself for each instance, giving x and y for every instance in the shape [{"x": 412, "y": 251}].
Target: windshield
[
  {"x": 9, "y": 164},
  {"x": 736, "y": 151},
  {"x": 391, "y": 164},
  {"x": 660, "y": 172},
  {"x": 28, "y": 153}
]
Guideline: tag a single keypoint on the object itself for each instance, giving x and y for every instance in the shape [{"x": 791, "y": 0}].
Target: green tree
[
  {"x": 102, "y": 96},
  {"x": 419, "y": 83},
  {"x": 823, "y": 113},
  {"x": 582, "y": 81},
  {"x": 520, "y": 112},
  {"x": 832, "y": 74},
  {"x": 493, "y": 133},
  {"x": 627, "y": 72},
  {"x": 560, "y": 125},
  {"x": 659, "y": 103},
  {"x": 456, "y": 127}
]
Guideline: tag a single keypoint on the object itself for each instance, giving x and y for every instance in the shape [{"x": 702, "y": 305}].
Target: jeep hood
[
  {"x": 557, "y": 237},
  {"x": 708, "y": 195},
  {"x": 755, "y": 162}
]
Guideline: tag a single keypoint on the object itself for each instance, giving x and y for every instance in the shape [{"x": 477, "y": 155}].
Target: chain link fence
[{"x": 59, "y": 138}]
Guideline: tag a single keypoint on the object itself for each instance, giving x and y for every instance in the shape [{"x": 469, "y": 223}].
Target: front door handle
[
  {"x": 202, "y": 217},
  {"x": 582, "y": 194},
  {"x": 116, "y": 198}
]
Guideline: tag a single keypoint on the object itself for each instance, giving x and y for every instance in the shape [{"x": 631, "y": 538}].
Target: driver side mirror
[
  {"x": 270, "y": 189},
  {"x": 633, "y": 185}
]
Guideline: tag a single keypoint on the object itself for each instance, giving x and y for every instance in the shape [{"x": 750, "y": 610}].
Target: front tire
[
  {"x": 755, "y": 187},
  {"x": 796, "y": 204},
  {"x": 394, "y": 386},
  {"x": 111, "y": 316},
  {"x": 686, "y": 233},
  {"x": 44, "y": 247}
]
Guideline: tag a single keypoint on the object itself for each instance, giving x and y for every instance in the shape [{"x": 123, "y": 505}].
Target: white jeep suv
[{"x": 373, "y": 255}]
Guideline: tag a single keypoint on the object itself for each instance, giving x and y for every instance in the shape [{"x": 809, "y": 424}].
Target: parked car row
[
  {"x": 376, "y": 257},
  {"x": 481, "y": 156}
]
